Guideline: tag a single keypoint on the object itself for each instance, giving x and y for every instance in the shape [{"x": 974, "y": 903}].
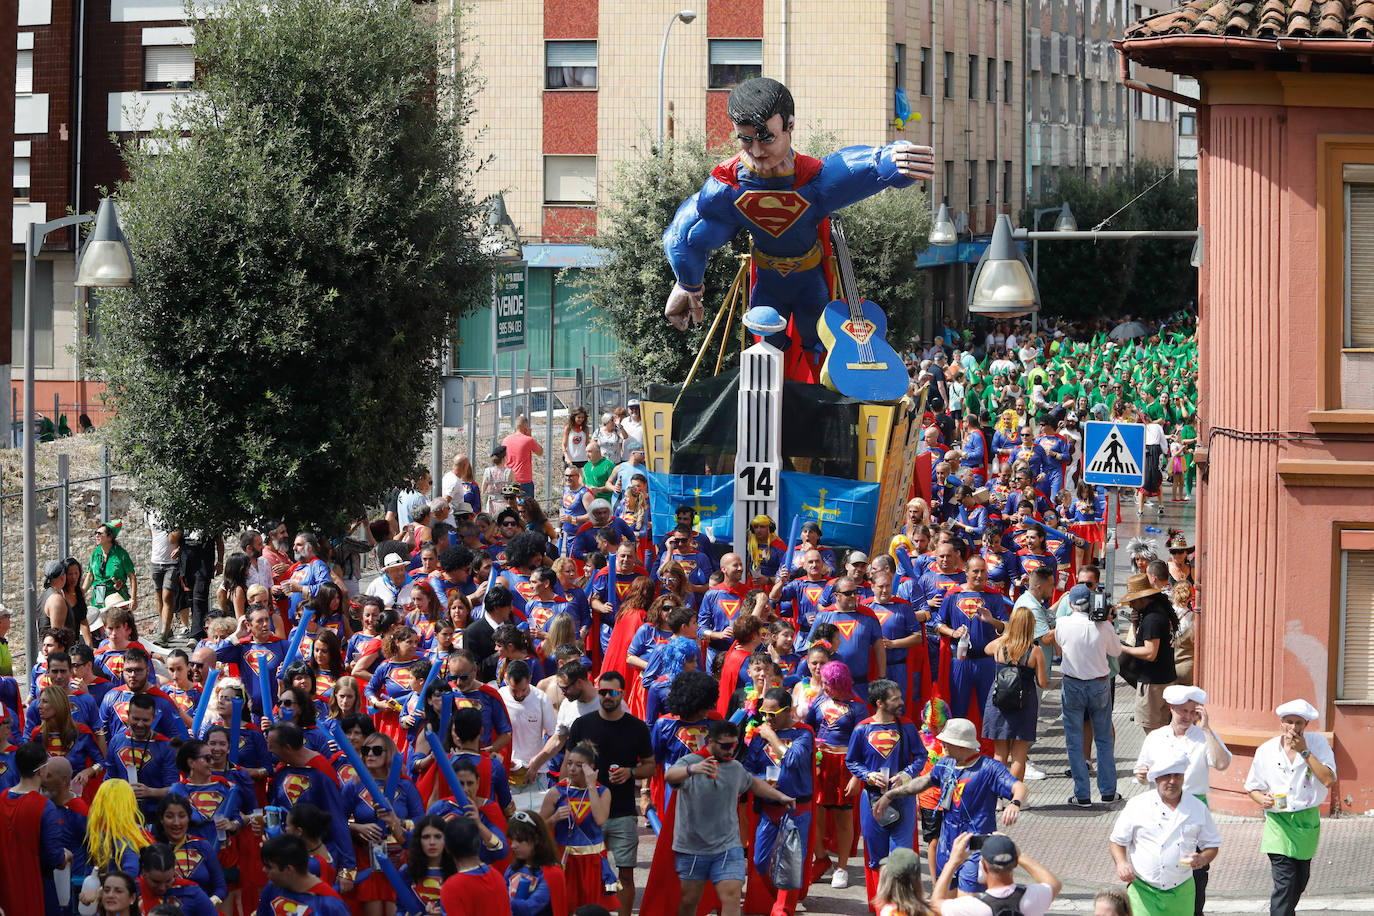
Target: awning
[
  {"x": 967, "y": 252},
  {"x": 560, "y": 256}
]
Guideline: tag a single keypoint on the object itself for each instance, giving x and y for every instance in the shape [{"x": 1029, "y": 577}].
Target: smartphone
[{"x": 975, "y": 842}]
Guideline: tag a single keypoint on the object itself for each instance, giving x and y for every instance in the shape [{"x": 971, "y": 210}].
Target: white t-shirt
[
  {"x": 381, "y": 587},
  {"x": 162, "y": 554},
  {"x": 1085, "y": 646},
  {"x": 532, "y": 720},
  {"x": 634, "y": 432},
  {"x": 1035, "y": 902},
  {"x": 260, "y": 573},
  {"x": 572, "y": 710}
]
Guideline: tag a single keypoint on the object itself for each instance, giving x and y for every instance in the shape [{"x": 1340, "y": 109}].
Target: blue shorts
[{"x": 723, "y": 866}]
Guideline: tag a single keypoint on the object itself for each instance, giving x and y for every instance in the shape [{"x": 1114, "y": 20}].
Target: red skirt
[
  {"x": 584, "y": 880},
  {"x": 1095, "y": 533},
  {"x": 831, "y": 778}
]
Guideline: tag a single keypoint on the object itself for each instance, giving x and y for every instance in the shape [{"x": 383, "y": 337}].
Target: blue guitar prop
[{"x": 860, "y": 363}]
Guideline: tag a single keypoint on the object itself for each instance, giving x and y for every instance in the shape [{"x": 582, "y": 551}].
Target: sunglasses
[
  {"x": 607, "y": 692},
  {"x": 848, "y": 593},
  {"x": 286, "y": 704},
  {"x": 463, "y": 677},
  {"x": 372, "y": 751},
  {"x": 196, "y": 665},
  {"x": 727, "y": 747}
]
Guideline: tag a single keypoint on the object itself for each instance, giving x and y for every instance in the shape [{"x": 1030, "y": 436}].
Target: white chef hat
[
  {"x": 1178, "y": 694},
  {"x": 1167, "y": 765},
  {"x": 1297, "y": 708}
]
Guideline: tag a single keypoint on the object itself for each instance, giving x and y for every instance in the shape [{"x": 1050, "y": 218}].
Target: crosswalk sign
[{"x": 1115, "y": 454}]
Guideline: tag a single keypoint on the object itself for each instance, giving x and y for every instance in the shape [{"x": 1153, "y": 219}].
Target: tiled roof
[{"x": 1264, "y": 19}]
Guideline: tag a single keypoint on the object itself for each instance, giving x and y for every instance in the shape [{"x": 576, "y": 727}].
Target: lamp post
[
  {"x": 1065, "y": 223},
  {"x": 686, "y": 16},
  {"x": 105, "y": 262},
  {"x": 942, "y": 231}
]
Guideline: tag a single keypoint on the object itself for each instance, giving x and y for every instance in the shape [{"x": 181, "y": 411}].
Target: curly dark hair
[
  {"x": 415, "y": 868},
  {"x": 691, "y": 693},
  {"x": 525, "y": 548}
]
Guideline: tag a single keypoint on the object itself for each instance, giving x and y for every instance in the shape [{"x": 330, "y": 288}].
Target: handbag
[{"x": 788, "y": 862}]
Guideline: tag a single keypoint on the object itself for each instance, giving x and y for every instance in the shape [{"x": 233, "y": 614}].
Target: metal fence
[
  {"x": 72, "y": 411},
  {"x": 492, "y": 400}
]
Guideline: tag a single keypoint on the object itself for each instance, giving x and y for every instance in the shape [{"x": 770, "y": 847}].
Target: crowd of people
[{"x": 329, "y": 743}]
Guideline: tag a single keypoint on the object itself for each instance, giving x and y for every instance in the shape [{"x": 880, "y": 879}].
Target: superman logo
[
  {"x": 580, "y": 808},
  {"x": 121, "y": 709},
  {"x": 861, "y": 331},
  {"x": 294, "y": 786},
  {"x": 463, "y": 702},
  {"x": 540, "y": 616},
  {"x": 813, "y": 593},
  {"x": 970, "y": 605},
  {"x": 53, "y": 744},
  {"x": 324, "y": 683},
  {"x": 425, "y": 628},
  {"x": 526, "y": 589},
  {"x": 882, "y": 740},
  {"x": 883, "y": 616},
  {"x": 622, "y": 587},
  {"x": 772, "y": 211},
  {"x": 771, "y": 753},
  {"x": 428, "y": 890},
  {"x": 958, "y": 793},
  {"x": 688, "y": 566},
  {"x": 306, "y": 650},
  {"x": 692, "y": 737},
  {"x": 181, "y": 698},
  {"x": 346, "y": 772},
  {"x": 258, "y": 657},
  {"x": 114, "y": 662},
  {"x": 43, "y": 681},
  {"x": 281, "y": 906},
  {"x": 731, "y": 607},
  {"x": 188, "y": 860},
  {"x": 204, "y": 801},
  {"x": 846, "y": 627},
  {"x": 832, "y": 712},
  {"x": 402, "y": 677},
  {"x": 4, "y": 767},
  {"x": 1030, "y": 563},
  {"x": 1019, "y": 538},
  {"x": 133, "y": 757}
]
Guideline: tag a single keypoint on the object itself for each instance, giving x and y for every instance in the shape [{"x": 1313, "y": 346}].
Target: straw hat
[{"x": 1138, "y": 586}]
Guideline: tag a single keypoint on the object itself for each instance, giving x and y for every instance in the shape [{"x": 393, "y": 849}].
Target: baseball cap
[
  {"x": 1080, "y": 598},
  {"x": 999, "y": 852},
  {"x": 54, "y": 569}
]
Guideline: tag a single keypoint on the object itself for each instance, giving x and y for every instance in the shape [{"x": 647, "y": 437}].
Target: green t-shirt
[
  {"x": 596, "y": 475},
  {"x": 111, "y": 573}
]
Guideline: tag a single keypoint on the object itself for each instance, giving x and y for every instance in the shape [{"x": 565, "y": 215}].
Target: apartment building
[{"x": 82, "y": 73}]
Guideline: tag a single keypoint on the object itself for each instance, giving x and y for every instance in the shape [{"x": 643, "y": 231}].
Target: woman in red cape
[
  {"x": 534, "y": 859},
  {"x": 633, "y": 614}
]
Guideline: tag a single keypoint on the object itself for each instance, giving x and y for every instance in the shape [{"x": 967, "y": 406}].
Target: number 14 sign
[{"x": 756, "y": 481}]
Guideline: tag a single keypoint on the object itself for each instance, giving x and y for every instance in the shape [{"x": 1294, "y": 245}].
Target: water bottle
[
  {"x": 961, "y": 651},
  {"x": 91, "y": 885}
]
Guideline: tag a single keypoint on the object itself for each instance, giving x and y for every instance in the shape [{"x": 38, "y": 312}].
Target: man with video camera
[
  {"x": 1086, "y": 640},
  {"x": 1000, "y": 859}
]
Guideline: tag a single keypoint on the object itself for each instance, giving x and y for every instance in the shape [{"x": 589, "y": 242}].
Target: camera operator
[
  {"x": 1087, "y": 644},
  {"x": 1000, "y": 858}
]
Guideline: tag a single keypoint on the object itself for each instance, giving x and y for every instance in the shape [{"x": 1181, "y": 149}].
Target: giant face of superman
[{"x": 783, "y": 200}]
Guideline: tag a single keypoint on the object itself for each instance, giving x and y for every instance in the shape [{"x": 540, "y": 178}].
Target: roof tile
[{"x": 1262, "y": 19}]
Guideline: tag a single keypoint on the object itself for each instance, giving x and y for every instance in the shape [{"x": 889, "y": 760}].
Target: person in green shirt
[
  {"x": 111, "y": 569},
  {"x": 597, "y": 471},
  {"x": 6, "y": 662}
]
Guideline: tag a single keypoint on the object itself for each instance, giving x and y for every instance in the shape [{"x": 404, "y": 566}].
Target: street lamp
[
  {"x": 105, "y": 262},
  {"x": 1002, "y": 284},
  {"x": 686, "y": 16},
  {"x": 1064, "y": 223},
  {"x": 942, "y": 231}
]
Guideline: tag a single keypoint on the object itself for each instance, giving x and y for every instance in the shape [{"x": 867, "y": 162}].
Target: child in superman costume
[{"x": 784, "y": 200}]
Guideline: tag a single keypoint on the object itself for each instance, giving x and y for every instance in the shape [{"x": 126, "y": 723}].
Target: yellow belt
[
  {"x": 591, "y": 850},
  {"x": 785, "y": 266}
]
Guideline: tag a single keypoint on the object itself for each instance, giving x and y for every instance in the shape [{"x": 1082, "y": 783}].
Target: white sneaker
[
  {"x": 1034, "y": 772},
  {"x": 840, "y": 879}
]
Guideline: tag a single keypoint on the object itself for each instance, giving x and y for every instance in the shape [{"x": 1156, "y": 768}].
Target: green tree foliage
[
  {"x": 627, "y": 293},
  {"x": 1145, "y": 278},
  {"x": 303, "y": 249}
]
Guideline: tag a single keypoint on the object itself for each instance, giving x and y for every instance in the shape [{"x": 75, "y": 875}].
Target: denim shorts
[{"x": 723, "y": 866}]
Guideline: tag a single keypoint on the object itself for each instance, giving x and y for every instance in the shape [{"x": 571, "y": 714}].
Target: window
[
  {"x": 734, "y": 60},
  {"x": 569, "y": 179},
  {"x": 990, "y": 84},
  {"x": 23, "y": 72},
  {"x": 570, "y": 65},
  {"x": 1357, "y": 333},
  {"x": 168, "y": 67},
  {"x": 1006, "y": 182},
  {"x": 42, "y": 316},
  {"x": 899, "y": 67},
  {"x": 992, "y": 181},
  {"x": 949, "y": 74},
  {"x": 972, "y": 184},
  {"x": 1355, "y": 664},
  {"x": 948, "y": 182},
  {"x": 973, "y": 76},
  {"x": 1187, "y": 124},
  {"x": 21, "y": 178},
  {"x": 1006, "y": 82},
  {"x": 925, "y": 71}
]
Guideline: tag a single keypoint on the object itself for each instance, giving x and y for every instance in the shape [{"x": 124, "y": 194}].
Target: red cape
[
  {"x": 558, "y": 889},
  {"x": 663, "y": 888},
  {"x": 21, "y": 877},
  {"x": 735, "y": 657},
  {"x": 617, "y": 653}
]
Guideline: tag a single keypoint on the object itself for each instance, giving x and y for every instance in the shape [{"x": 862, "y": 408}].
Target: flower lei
[{"x": 751, "y": 708}]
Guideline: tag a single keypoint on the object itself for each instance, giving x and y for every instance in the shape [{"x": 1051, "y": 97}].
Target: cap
[
  {"x": 461, "y": 508},
  {"x": 600, "y": 504},
  {"x": 961, "y": 733},
  {"x": 393, "y": 560},
  {"x": 1297, "y": 708},
  {"x": 54, "y": 569},
  {"x": 1080, "y": 598},
  {"x": 1000, "y": 852},
  {"x": 1168, "y": 765},
  {"x": 857, "y": 556},
  {"x": 902, "y": 861},
  {"x": 632, "y": 402},
  {"x": 1178, "y": 694}
]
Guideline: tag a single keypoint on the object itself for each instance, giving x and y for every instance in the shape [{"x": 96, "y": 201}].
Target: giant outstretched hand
[
  {"x": 684, "y": 307},
  {"x": 916, "y": 162}
]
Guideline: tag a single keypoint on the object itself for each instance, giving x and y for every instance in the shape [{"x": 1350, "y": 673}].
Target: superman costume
[
  {"x": 320, "y": 900},
  {"x": 318, "y": 785},
  {"x": 787, "y": 217},
  {"x": 970, "y": 679},
  {"x": 889, "y": 748}
]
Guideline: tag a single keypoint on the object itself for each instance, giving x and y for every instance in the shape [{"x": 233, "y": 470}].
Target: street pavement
[{"x": 1072, "y": 842}]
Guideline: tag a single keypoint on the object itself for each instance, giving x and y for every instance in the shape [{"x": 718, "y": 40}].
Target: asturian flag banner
[
  {"x": 846, "y": 509},
  {"x": 711, "y": 496}
]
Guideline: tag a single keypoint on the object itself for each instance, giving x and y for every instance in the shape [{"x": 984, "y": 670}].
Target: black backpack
[
  {"x": 1010, "y": 690},
  {"x": 1009, "y": 905}
]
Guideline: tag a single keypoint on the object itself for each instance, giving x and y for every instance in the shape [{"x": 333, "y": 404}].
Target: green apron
[
  {"x": 1148, "y": 900},
  {"x": 1291, "y": 833}
]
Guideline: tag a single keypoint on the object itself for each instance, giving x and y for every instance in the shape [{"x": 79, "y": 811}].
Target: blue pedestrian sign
[{"x": 1115, "y": 452}]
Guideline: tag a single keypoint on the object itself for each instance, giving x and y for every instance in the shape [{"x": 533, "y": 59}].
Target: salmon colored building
[{"x": 1286, "y": 455}]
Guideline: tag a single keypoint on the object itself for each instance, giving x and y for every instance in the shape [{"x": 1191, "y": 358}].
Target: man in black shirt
[
  {"x": 1153, "y": 651},
  {"x": 479, "y": 637},
  {"x": 624, "y": 754}
]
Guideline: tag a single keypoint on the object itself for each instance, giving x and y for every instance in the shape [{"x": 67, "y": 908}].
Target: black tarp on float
[{"x": 820, "y": 428}]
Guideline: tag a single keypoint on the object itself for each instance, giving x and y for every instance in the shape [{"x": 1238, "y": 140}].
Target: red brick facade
[
  {"x": 569, "y": 223},
  {"x": 734, "y": 19},
  {"x": 570, "y": 122},
  {"x": 570, "y": 18}
]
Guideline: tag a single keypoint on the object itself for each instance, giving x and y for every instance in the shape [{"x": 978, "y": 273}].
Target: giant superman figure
[{"x": 784, "y": 199}]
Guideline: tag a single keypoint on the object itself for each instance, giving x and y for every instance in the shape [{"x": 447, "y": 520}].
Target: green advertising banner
[{"x": 508, "y": 307}]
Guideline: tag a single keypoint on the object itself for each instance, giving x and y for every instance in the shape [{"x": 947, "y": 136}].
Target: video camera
[{"x": 1100, "y": 611}]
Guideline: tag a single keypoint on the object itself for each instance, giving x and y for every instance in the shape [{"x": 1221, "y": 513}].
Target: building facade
[
  {"x": 77, "y": 82},
  {"x": 1285, "y": 138}
]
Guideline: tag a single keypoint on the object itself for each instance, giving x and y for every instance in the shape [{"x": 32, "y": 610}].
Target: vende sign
[{"x": 508, "y": 307}]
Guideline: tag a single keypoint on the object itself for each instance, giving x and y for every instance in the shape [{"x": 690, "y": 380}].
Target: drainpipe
[
  {"x": 996, "y": 109},
  {"x": 81, "y": 322},
  {"x": 783, "y": 43},
  {"x": 1149, "y": 89}
]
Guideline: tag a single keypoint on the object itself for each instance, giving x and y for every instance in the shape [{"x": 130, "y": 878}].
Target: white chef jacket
[
  {"x": 1156, "y": 837},
  {"x": 1272, "y": 771}
]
